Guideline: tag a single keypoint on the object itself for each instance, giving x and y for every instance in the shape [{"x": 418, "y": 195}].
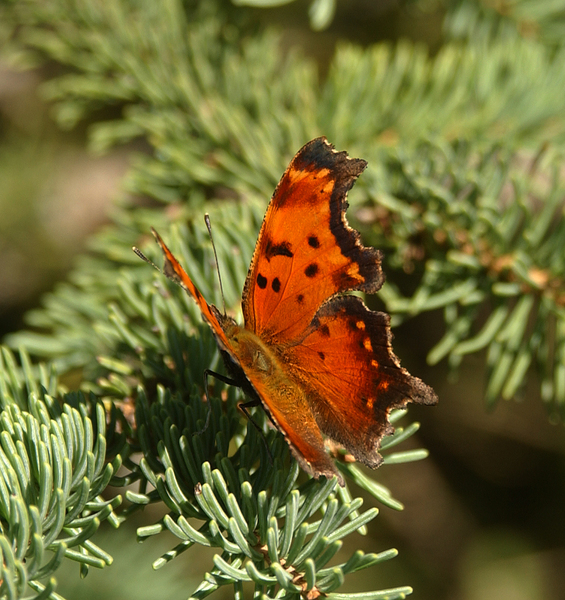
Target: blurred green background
[{"x": 484, "y": 514}]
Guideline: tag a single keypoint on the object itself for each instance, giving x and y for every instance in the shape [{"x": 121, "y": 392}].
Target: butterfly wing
[
  {"x": 174, "y": 271},
  {"x": 306, "y": 252},
  {"x": 352, "y": 377}
]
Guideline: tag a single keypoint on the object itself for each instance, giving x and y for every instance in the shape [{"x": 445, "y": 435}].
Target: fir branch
[
  {"x": 494, "y": 252},
  {"x": 55, "y": 465},
  {"x": 269, "y": 528},
  {"x": 479, "y": 19}
]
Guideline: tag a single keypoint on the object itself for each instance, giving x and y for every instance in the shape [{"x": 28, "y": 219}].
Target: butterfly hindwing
[{"x": 352, "y": 377}]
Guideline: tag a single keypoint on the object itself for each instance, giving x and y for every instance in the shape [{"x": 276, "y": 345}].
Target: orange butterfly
[{"x": 317, "y": 360}]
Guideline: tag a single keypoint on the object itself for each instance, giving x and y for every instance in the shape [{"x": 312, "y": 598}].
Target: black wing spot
[
  {"x": 276, "y": 285},
  {"x": 261, "y": 281},
  {"x": 311, "y": 270},
  {"x": 300, "y": 298},
  {"x": 281, "y": 249},
  {"x": 313, "y": 241},
  {"x": 322, "y": 355}
]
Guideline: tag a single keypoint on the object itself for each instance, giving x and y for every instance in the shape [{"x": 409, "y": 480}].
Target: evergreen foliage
[
  {"x": 464, "y": 192},
  {"x": 57, "y": 460}
]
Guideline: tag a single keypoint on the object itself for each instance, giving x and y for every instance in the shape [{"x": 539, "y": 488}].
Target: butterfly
[{"x": 313, "y": 356}]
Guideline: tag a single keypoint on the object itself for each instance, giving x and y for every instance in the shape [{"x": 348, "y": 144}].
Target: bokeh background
[{"x": 484, "y": 514}]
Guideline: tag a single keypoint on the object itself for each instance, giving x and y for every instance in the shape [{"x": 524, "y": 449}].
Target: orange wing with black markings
[
  {"x": 306, "y": 252},
  {"x": 175, "y": 272},
  {"x": 352, "y": 377}
]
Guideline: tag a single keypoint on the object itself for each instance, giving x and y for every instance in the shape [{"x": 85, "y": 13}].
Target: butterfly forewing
[
  {"x": 305, "y": 252},
  {"x": 175, "y": 272}
]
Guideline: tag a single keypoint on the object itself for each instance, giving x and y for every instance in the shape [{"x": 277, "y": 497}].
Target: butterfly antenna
[
  {"x": 209, "y": 227},
  {"x": 143, "y": 257}
]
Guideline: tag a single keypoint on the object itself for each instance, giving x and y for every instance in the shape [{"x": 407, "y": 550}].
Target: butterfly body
[{"x": 316, "y": 358}]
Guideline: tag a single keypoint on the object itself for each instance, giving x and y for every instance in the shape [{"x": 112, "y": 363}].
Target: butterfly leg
[
  {"x": 243, "y": 406},
  {"x": 220, "y": 377}
]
